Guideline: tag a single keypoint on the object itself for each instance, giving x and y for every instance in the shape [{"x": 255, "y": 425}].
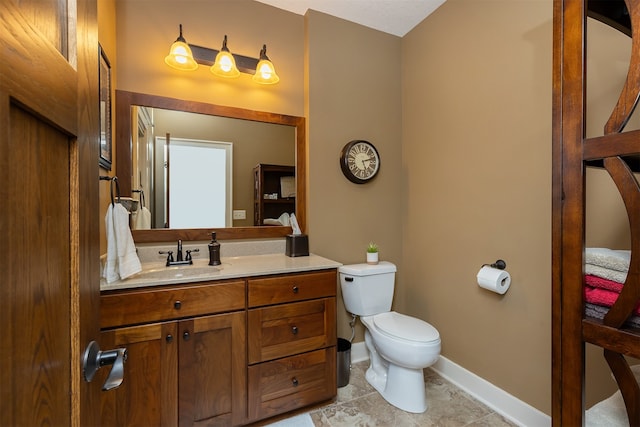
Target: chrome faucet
[{"x": 179, "y": 259}]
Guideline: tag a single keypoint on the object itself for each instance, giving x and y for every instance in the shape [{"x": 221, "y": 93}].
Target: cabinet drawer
[
  {"x": 289, "y": 288},
  {"x": 154, "y": 304},
  {"x": 287, "y": 329},
  {"x": 290, "y": 383}
]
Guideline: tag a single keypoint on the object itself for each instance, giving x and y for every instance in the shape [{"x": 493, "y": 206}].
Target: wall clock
[{"x": 359, "y": 161}]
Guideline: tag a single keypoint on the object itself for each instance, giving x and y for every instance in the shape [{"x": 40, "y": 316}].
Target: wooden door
[
  {"x": 148, "y": 396},
  {"x": 49, "y": 262},
  {"x": 212, "y": 375}
]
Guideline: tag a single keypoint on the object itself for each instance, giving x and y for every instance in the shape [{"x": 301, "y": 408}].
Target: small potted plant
[{"x": 372, "y": 253}]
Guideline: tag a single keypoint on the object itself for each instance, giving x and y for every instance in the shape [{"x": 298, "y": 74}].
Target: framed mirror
[{"x": 127, "y": 105}]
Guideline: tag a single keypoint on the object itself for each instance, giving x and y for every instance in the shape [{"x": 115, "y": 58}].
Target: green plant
[{"x": 372, "y": 248}]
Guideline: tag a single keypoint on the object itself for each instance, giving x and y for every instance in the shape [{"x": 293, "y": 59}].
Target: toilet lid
[{"x": 405, "y": 327}]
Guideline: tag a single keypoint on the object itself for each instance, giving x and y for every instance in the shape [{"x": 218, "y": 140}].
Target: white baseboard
[{"x": 495, "y": 398}]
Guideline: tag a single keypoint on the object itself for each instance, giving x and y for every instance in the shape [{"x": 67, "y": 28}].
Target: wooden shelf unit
[{"x": 267, "y": 180}]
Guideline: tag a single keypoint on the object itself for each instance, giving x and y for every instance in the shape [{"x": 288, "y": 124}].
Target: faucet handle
[
  {"x": 169, "y": 256},
  {"x": 188, "y": 257}
]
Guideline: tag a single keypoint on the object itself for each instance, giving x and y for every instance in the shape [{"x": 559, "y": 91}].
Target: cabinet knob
[
  {"x": 186, "y": 335},
  {"x": 294, "y": 381},
  {"x": 295, "y": 289},
  {"x": 169, "y": 338},
  {"x": 294, "y": 330},
  {"x": 177, "y": 305}
]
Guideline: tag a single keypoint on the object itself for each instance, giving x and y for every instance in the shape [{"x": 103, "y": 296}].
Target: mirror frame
[{"x": 125, "y": 100}]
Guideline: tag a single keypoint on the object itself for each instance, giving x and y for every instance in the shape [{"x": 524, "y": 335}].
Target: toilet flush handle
[{"x": 348, "y": 279}]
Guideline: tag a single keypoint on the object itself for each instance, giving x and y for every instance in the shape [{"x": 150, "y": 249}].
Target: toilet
[{"x": 400, "y": 346}]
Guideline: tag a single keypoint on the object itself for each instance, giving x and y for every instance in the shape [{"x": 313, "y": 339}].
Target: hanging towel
[
  {"x": 122, "y": 259},
  {"x": 110, "y": 271},
  {"x": 142, "y": 220}
]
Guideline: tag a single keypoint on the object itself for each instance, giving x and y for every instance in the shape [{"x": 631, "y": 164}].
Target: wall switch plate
[{"x": 239, "y": 214}]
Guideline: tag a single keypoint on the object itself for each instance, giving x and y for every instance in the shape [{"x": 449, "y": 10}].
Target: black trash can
[{"x": 344, "y": 362}]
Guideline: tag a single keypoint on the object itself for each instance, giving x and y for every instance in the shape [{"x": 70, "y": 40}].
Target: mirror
[{"x": 125, "y": 101}]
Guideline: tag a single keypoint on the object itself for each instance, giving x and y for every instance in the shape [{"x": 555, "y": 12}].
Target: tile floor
[{"x": 358, "y": 404}]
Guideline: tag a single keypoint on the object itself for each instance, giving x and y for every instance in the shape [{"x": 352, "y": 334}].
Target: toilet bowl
[
  {"x": 398, "y": 359},
  {"x": 400, "y": 346}
]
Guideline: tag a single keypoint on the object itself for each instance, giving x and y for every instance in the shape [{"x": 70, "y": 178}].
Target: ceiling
[{"x": 396, "y": 17}]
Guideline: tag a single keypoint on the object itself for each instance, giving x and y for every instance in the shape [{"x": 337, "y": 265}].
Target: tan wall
[
  {"x": 477, "y": 187},
  {"x": 147, "y": 28},
  {"x": 107, "y": 39},
  {"x": 353, "y": 93}
]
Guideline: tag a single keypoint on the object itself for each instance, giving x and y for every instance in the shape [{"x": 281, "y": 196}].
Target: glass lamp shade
[
  {"x": 225, "y": 65},
  {"x": 180, "y": 57},
  {"x": 265, "y": 73}
]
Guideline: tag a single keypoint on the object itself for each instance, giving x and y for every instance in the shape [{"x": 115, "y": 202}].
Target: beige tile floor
[{"x": 358, "y": 404}]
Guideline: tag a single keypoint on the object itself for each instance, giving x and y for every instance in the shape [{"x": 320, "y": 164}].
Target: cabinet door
[
  {"x": 147, "y": 396},
  {"x": 212, "y": 370}
]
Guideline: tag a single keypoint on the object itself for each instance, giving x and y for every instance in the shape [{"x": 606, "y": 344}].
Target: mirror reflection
[
  {"x": 243, "y": 162},
  {"x": 195, "y": 170}
]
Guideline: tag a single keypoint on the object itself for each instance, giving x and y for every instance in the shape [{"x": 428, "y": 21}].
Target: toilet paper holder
[{"x": 499, "y": 264}]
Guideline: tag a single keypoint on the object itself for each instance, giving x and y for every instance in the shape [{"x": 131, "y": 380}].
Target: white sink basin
[{"x": 177, "y": 272}]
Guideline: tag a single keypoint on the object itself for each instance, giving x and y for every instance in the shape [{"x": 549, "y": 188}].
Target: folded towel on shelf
[
  {"x": 282, "y": 220},
  {"x": 611, "y": 259},
  {"x": 604, "y": 297},
  {"x": 599, "y": 282},
  {"x": 122, "y": 259},
  {"x": 605, "y": 273},
  {"x": 142, "y": 219},
  {"x": 599, "y": 311}
]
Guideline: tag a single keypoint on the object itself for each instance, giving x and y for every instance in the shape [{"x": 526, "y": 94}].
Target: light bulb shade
[
  {"x": 265, "y": 71},
  {"x": 180, "y": 56},
  {"x": 225, "y": 65}
]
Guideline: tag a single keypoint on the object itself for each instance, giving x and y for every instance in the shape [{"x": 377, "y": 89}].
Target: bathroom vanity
[{"x": 228, "y": 345}]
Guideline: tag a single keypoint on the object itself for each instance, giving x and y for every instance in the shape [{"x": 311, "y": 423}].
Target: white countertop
[{"x": 156, "y": 273}]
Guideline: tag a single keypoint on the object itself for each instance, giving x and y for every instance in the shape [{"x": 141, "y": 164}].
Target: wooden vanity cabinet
[
  {"x": 186, "y": 360},
  {"x": 291, "y": 342}
]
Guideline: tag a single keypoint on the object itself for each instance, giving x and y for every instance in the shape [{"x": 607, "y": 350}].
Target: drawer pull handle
[
  {"x": 186, "y": 335},
  {"x": 295, "y": 289},
  {"x": 169, "y": 338},
  {"x": 294, "y": 381},
  {"x": 294, "y": 330},
  {"x": 177, "y": 305}
]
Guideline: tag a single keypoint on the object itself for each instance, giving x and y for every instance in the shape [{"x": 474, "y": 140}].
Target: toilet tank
[{"x": 367, "y": 289}]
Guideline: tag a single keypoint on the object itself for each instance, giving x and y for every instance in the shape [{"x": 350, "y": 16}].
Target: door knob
[{"x": 93, "y": 359}]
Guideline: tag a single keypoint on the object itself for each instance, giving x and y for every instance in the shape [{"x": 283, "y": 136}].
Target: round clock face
[{"x": 359, "y": 161}]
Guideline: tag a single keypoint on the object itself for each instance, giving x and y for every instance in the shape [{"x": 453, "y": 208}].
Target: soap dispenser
[{"x": 214, "y": 250}]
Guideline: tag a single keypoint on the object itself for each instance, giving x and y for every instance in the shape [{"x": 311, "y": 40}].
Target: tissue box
[{"x": 297, "y": 245}]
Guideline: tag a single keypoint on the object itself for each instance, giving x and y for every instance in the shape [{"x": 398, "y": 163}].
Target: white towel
[
  {"x": 608, "y": 258},
  {"x": 122, "y": 259},
  {"x": 142, "y": 220},
  {"x": 605, "y": 273}
]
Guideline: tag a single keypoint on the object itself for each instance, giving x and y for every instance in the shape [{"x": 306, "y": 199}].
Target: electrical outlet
[{"x": 239, "y": 214}]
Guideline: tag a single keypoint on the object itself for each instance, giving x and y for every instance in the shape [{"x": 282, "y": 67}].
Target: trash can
[{"x": 344, "y": 362}]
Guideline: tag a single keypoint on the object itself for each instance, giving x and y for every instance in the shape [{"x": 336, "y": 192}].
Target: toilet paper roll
[{"x": 494, "y": 279}]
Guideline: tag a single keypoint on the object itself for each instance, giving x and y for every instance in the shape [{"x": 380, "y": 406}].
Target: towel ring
[
  {"x": 141, "y": 191},
  {"x": 112, "y": 180}
]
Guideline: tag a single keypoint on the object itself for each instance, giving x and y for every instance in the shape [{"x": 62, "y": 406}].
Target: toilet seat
[{"x": 396, "y": 325}]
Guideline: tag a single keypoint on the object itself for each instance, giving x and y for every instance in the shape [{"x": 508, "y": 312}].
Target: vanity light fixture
[
  {"x": 223, "y": 63},
  {"x": 180, "y": 56},
  {"x": 265, "y": 71}
]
